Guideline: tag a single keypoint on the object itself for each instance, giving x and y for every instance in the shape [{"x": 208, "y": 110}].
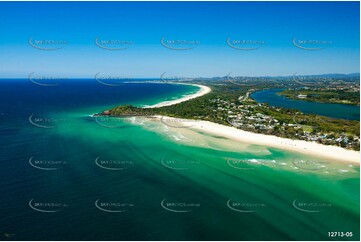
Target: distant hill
[
  {"x": 336, "y": 75},
  {"x": 331, "y": 75}
]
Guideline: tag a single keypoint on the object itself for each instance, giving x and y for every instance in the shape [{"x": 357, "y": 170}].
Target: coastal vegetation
[
  {"x": 229, "y": 104},
  {"x": 349, "y": 96}
]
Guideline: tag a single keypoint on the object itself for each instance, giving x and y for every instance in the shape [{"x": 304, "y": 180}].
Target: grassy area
[{"x": 341, "y": 97}]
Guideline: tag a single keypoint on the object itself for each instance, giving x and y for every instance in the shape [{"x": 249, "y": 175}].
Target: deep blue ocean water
[{"x": 54, "y": 182}]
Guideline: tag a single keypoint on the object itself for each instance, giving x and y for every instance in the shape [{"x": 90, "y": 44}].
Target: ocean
[{"x": 66, "y": 175}]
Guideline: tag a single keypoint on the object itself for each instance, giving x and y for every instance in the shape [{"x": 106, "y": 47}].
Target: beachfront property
[{"x": 244, "y": 117}]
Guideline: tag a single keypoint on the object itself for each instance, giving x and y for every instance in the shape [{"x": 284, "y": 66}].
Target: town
[{"x": 249, "y": 117}]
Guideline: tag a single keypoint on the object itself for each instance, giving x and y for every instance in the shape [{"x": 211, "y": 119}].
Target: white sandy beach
[
  {"x": 202, "y": 91},
  {"x": 308, "y": 148}
]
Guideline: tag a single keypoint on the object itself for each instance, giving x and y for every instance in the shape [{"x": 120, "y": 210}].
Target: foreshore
[
  {"x": 238, "y": 135},
  {"x": 202, "y": 91},
  {"x": 232, "y": 133}
]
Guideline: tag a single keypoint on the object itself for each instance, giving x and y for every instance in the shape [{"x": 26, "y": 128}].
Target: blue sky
[{"x": 334, "y": 24}]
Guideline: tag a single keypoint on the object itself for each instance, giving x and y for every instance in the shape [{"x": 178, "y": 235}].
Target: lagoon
[{"x": 340, "y": 111}]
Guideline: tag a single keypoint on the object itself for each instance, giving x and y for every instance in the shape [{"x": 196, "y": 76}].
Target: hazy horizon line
[{"x": 177, "y": 76}]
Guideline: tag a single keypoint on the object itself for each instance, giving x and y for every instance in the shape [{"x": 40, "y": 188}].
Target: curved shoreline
[
  {"x": 237, "y": 135},
  {"x": 232, "y": 133},
  {"x": 202, "y": 91}
]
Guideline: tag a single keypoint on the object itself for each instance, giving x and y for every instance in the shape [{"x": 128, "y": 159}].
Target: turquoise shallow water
[{"x": 80, "y": 178}]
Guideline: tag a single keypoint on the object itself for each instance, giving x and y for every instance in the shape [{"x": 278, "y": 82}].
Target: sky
[{"x": 264, "y": 38}]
